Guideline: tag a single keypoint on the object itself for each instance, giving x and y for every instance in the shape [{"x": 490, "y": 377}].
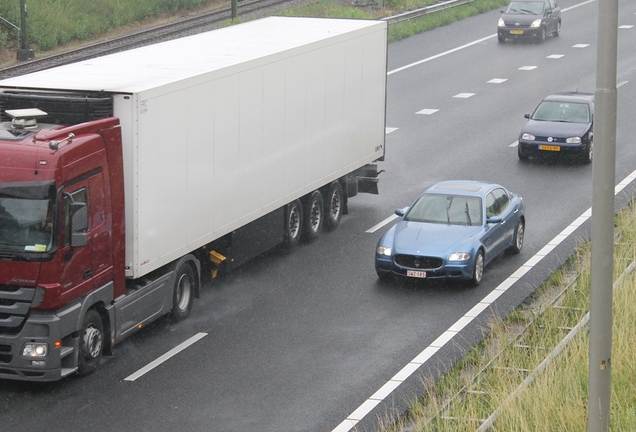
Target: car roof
[
  {"x": 465, "y": 187},
  {"x": 571, "y": 97}
]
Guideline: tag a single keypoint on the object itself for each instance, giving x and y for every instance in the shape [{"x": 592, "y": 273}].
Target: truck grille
[
  {"x": 15, "y": 302},
  {"x": 418, "y": 262}
]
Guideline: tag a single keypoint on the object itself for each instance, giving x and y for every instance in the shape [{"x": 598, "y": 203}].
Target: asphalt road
[{"x": 301, "y": 342}]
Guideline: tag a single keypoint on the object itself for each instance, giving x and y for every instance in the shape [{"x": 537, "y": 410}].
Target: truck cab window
[{"x": 23, "y": 223}]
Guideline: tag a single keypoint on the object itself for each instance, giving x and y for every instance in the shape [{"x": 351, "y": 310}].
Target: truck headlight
[{"x": 35, "y": 350}]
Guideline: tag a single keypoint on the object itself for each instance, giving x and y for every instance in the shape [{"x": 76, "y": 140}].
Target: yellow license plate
[
  {"x": 516, "y": 31},
  {"x": 549, "y": 148}
]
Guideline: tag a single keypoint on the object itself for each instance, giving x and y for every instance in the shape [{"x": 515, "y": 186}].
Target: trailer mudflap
[{"x": 367, "y": 179}]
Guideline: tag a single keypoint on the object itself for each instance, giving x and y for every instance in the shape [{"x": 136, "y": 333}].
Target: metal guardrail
[{"x": 416, "y": 13}]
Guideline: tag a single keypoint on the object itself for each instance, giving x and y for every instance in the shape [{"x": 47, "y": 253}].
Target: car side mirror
[
  {"x": 401, "y": 211},
  {"x": 526, "y": 116},
  {"x": 494, "y": 220}
]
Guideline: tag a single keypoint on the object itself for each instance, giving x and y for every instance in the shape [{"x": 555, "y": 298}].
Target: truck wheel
[
  {"x": 313, "y": 215},
  {"x": 293, "y": 224},
  {"x": 334, "y": 205},
  {"x": 184, "y": 289},
  {"x": 91, "y": 343}
]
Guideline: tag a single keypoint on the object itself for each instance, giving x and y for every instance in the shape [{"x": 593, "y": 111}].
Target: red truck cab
[{"x": 61, "y": 240}]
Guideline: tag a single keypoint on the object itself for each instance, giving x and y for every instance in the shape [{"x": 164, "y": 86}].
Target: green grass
[{"x": 54, "y": 23}]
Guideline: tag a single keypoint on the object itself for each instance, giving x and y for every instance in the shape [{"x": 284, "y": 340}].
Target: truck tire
[
  {"x": 334, "y": 205},
  {"x": 183, "y": 293},
  {"x": 91, "y": 343},
  {"x": 313, "y": 214},
  {"x": 293, "y": 224}
]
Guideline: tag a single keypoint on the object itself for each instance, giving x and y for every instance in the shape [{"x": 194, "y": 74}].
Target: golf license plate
[
  {"x": 549, "y": 147},
  {"x": 517, "y": 32},
  {"x": 416, "y": 273}
]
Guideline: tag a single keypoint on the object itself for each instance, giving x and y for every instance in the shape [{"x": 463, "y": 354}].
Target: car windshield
[
  {"x": 525, "y": 8},
  {"x": 25, "y": 218},
  {"x": 570, "y": 112},
  {"x": 446, "y": 209}
]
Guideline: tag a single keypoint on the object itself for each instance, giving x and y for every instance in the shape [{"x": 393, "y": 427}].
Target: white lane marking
[
  {"x": 528, "y": 68},
  {"x": 514, "y": 144},
  {"x": 555, "y": 56},
  {"x": 464, "y": 95},
  {"x": 381, "y": 224},
  {"x": 580, "y": 46},
  {"x": 626, "y": 26},
  {"x": 427, "y": 111},
  {"x": 497, "y": 80},
  {"x": 388, "y": 130},
  {"x": 436, "y": 56},
  {"x": 352, "y": 420},
  {"x": 174, "y": 351}
]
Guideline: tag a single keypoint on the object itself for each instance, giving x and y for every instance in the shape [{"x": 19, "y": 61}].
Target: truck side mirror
[{"x": 79, "y": 223}]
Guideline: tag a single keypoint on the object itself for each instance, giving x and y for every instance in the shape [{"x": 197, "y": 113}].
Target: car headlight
[
  {"x": 383, "y": 250},
  {"x": 528, "y": 137},
  {"x": 536, "y": 23},
  {"x": 501, "y": 23},
  {"x": 459, "y": 256},
  {"x": 35, "y": 350},
  {"x": 573, "y": 140}
]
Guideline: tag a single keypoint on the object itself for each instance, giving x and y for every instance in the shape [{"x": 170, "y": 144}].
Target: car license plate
[
  {"x": 549, "y": 147},
  {"x": 416, "y": 273},
  {"x": 516, "y": 32}
]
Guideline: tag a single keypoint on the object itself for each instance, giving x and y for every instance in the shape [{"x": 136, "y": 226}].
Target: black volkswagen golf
[
  {"x": 529, "y": 19},
  {"x": 562, "y": 124}
]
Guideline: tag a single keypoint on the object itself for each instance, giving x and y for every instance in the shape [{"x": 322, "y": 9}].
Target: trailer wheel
[
  {"x": 293, "y": 224},
  {"x": 91, "y": 343},
  {"x": 183, "y": 294},
  {"x": 334, "y": 205},
  {"x": 313, "y": 215}
]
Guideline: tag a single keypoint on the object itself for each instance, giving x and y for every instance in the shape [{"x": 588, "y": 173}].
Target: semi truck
[{"x": 129, "y": 180}]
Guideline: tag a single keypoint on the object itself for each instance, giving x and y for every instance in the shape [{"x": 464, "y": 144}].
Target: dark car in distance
[
  {"x": 530, "y": 20},
  {"x": 562, "y": 124}
]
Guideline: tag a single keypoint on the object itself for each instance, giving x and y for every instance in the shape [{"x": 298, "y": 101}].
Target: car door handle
[{"x": 88, "y": 273}]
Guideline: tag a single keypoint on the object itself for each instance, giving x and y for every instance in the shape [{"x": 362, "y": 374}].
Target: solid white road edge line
[
  {"x": 174, "y": 351},
  {"x": 384, "y": 391}
]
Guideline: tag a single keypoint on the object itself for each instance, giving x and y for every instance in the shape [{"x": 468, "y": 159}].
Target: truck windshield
[{"x": 26, "y": 216}]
